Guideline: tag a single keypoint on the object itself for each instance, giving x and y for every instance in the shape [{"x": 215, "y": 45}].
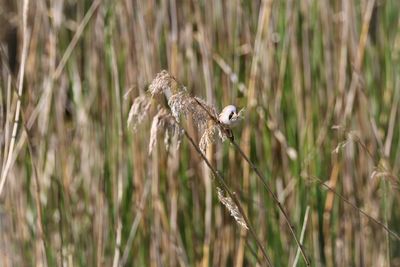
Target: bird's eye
[{"x": 230, "y": 115}]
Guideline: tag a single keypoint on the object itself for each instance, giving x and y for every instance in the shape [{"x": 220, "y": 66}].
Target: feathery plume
[
  {"x": 182, "y": 103},
  {"x": 161, "y": 84},
  {"x": 165, "y": 122},
  {"x": 208, "y": 136},
  {"x": 231, "y": 206},
  {"x": 139, "y": 111}
]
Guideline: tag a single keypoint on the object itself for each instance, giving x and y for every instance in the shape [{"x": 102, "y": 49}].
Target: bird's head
[{"x": 229, "y": 116}]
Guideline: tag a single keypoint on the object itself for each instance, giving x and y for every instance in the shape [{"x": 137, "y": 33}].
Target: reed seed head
[
  {"x": 161, "y": 83},
  {"x": 163, "y": 122},
  {"x": 232, "y": 207},
  {"x": 182, "y": 103},
  {"x": 139, "y": 111},
  {"x": 209, "y": 137}
]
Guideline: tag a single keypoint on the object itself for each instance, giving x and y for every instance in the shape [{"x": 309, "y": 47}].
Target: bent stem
[
  {"x": 274, "y": 197},
  {"x": 264, "y": 182},
  {"x": 221, "y": 181},
  {"x": 345, "y": 200}
]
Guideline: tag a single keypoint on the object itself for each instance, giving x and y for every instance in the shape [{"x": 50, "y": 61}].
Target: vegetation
[{"x": 107, "y": 160}]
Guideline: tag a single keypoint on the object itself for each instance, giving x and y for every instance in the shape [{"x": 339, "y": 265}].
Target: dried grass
[
  {"x": 232, "y": 207},
  {"x": 139, "y": 111},
  {"x": 164, "y": 122},
  {"x": 304, "y": 67},
  {"x": 181, "y": 103}
]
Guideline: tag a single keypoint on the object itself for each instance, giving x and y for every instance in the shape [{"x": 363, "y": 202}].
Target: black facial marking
[{"x": 230, "y": 115}]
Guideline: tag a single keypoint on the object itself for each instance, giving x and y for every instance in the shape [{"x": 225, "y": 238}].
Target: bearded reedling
[{"x": 229, "y": 117}]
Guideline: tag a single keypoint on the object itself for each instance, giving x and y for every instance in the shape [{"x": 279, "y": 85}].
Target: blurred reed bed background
[{"x": 320, "y": 82}]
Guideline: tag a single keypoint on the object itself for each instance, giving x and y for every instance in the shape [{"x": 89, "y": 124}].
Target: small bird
[{"x": 229, "y": 116}]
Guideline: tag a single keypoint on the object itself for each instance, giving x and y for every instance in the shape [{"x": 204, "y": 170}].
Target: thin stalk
[
  {"x": 387, "y": 229},
  {"x": 263, "y": 181},
  {"x": 75, "y": 39},
  {"x": 274, "y": 197},
  {"x": 233, "y": 196},
  {"x": 25, "y": 47},
  {"x": 303, "y": 230},
  {"x": 39, "y": 220},
  {"x": 135, "y": 224}
]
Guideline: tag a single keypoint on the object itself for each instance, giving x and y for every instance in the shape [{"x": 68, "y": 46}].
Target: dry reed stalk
[
  {"x": 285, "y": 51},
  {"x": 262, "y": 30},
  {"x": 60, "y": 67},
  {"x": 45, "y": 100},
  {"x": 116, "y": 259},
  {"x": 7, "y": 122},
  {"x": 175, "y": 255},
  {"x": 155, "y": 244},
  {"x": 25, "y": 43},
  {"x": 232, "y": 195},
  {"x": 135, "y": 223},
  {"x": 234, "y": 80},
  {"x": 392, "y": 122},
  {"x": 233, "y": 77},
  {"x": 275, "y": 199},
  {"x": 263, "y": 180},
  {"x": 100, "y": 235},
  {"x": 202, "y": 114},
  {"x": 143, "y": 48},
  {"x": 118, "y": 236},
  {"x": 13, "y": 151},
  {"x": 345, "y": 200},
  {"x": 303, "y": 230},
  {"x": 178, "y": 106},
  {"x": 298, "y": 85},
  {"x": 354, "y": 85},
  {"x": 328, "y": 42},
  {"x": 41, "y": 255},
  {"x": 263, "y": 24},
  {"x": 342, "y": 61},
  {"x": 329, "y": 201},
  {"x": 176, "y": 250}
]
